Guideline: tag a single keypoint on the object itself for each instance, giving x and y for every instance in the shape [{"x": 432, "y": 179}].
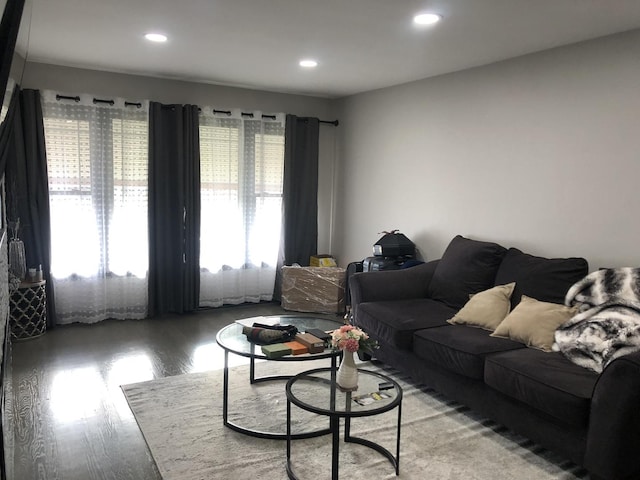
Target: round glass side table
[
  {"x": 232, "y": 340},
  {"x": 316, "y": 391}
]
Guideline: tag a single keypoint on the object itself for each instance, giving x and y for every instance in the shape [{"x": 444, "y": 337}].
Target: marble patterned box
[{"x": 313, "y": 289}]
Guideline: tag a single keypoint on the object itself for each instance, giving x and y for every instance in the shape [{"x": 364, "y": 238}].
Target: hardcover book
[
  {"x": 314, "y": 344},
  {"x": 316, "y": 332},
  {"x": 296, "y": 347},
  {"x": 275, "y": 350}
]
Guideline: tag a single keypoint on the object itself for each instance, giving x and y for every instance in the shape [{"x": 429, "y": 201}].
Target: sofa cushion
[
  {"x": 486, "y": 309},
  {"x": 545, "y": 279},
  {"x": 534, "y": 323},
  {"x": 459, "y": 348},
  {"x": 394, "y": 321},
  {"x": 545, "y": 381},
  {"x": 466, "y": 267}
]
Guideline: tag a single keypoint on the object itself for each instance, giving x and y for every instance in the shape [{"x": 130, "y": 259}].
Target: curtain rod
[
  {"x": 108, "y": 102},
  {"x": 76, "y": 99},
  {"x": 244, "y": 114},
  {"x": 66, "y": 97},
  {"x": 98, "y": 100},
  {"x": 335, "y": 123}
]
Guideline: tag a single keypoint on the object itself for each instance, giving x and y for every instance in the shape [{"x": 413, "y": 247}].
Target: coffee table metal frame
[
  {"x": 254, "y": 352},
  {"x": 335, "y": 414}
]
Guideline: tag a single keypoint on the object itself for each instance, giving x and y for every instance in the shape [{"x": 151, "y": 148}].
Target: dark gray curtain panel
[
  {"x": 174, "y": 209},
  {"x": 299, "y": 239},
  {"x": 6, "y": 130},
  {"x": 27, "y": 188}
]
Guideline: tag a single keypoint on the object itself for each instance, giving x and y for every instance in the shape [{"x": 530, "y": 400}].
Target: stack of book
[{"x": 311, "y": 341}]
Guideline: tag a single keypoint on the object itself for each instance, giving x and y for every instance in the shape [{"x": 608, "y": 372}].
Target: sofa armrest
[
  {"x": 614, "y": 423},
  {"x": 391, "y": 284}
]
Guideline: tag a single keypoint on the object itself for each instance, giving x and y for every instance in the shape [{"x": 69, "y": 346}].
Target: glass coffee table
[
  {"x": 232, "y": 340},
  {"x": 316, "y": 391}
]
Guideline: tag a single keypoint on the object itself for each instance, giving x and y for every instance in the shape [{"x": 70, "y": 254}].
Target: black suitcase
[{"x": 378, "y": 264}]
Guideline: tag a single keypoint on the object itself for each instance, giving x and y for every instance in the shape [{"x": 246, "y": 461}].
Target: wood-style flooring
[{"x": 70, "y": 418}]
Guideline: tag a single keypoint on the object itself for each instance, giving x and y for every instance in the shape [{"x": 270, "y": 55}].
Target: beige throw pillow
[
  {"x": 534, "y": 323},
  {"x": 486, "y": 309}
]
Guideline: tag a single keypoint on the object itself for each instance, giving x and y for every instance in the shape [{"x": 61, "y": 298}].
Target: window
[
  {"x": 242, "y": 162},
  {"x": 97, "y": 158}
]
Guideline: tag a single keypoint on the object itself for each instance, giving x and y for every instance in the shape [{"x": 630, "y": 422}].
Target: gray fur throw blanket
[{"x": 607, "y": 324}]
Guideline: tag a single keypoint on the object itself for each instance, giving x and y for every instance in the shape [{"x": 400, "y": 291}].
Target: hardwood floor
[{"x": 70, "y": 417}]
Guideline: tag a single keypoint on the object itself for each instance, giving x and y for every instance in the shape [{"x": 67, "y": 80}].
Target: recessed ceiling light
[
  {"x": 308, "y": 63},
  {"x": 427, "y": 18},
  {"x": 156, "y": 37}
]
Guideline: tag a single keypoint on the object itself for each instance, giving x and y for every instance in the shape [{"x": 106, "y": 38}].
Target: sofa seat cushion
[
  {"x": 460, "y": 349},
  {"x": 394, "y": 321},
  {"x": 545, "y": 381}
]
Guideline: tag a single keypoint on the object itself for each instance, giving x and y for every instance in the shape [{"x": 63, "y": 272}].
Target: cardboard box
[
  {"x": 297, "y": 348},
  {"x": 313, "y": 289},
  {"x": 275, "y": 350},
  {"x": 313, "y": 344},
  {"x": 322, "y": 261}
]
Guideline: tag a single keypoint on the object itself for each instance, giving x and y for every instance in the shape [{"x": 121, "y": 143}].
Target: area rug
[{"x": 181, "y": 420}]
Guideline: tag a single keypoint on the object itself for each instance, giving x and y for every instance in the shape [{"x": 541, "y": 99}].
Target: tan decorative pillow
[
  {"x": 486, "y": 309},
  {"x": 534, "y": 323}
]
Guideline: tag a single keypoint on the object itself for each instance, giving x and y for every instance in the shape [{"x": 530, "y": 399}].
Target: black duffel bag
[{"x": 266, "y": 334}]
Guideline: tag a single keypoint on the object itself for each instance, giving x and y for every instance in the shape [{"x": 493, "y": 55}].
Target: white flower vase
[{"x": 347, "y": 376}]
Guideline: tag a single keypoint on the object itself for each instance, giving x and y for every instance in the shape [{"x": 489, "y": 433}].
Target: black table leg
[
  {"x": 335, "y": 449},
  {"x": 398, "y": 440},
  {"x": 225, "y": 388},
  {"x": 347, "y": 420},
  {"x": 252, "y": 366},
  {"x": 288, "y": 431}
]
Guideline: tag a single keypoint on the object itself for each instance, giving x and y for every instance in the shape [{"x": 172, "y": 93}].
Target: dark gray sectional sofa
[{"x": 594, "y": 420}]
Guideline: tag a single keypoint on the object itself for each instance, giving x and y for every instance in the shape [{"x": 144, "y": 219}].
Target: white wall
[
  {"x": 541, "y": 152},
  {"x": 134, "y": 87}
]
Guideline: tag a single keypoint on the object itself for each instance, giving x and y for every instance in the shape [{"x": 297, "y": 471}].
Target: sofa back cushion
[
  {"x": 466, "y": 267},
  {"x": 545, "y": 279}
]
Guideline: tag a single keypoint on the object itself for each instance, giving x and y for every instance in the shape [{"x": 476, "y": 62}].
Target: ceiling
[{"x": 360, "y": 45}]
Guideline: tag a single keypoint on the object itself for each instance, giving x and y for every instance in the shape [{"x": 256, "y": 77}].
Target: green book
[{"x": 276, "y": 350}]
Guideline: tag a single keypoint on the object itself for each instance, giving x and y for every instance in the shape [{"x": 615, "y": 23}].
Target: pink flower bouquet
[{"x": 352, "y": 339}]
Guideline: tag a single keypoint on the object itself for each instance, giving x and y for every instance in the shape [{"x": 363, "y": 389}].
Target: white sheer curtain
[
  {"x": 97, "y": 156},
  {"x": 241, "y": 163}
]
